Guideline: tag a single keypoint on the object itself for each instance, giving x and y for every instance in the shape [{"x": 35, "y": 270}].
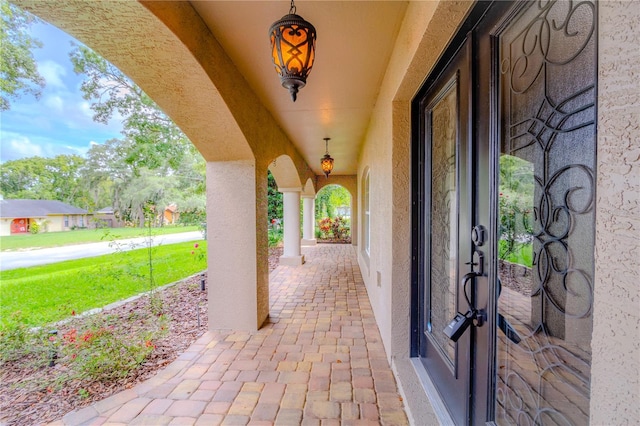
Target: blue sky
[{"x": 60, "y": 122}]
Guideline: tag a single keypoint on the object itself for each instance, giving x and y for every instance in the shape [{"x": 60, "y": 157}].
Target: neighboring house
[
  {"x": 106, "y": 218},
  {"x": 170, "y": 215},
  {"x": 17, "y": 216}
]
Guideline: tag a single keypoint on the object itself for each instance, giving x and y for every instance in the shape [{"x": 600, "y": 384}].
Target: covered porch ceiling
[{"x": 354, "y": 44}]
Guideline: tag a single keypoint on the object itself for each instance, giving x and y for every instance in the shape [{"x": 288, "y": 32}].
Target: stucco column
[
  {"x": 291, "y": 210},
  {"x": 236, "y": 290},
  {"x": 308, "y": 220}
]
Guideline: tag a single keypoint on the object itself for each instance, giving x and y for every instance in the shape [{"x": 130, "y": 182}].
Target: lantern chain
[{"x": 292, "y": 9}]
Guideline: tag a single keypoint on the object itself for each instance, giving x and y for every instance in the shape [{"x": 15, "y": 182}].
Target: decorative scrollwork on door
[{"x": 548, "y": 106}]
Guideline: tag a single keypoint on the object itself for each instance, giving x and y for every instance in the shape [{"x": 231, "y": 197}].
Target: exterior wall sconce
[
  {"x": 326, "y": 162},
  {"x": 293, "y": 47}
]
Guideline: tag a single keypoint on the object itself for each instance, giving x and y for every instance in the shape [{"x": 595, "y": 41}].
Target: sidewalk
[{"x": 318, "y": 360}]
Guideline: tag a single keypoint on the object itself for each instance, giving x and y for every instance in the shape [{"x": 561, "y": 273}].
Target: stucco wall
[
  {"x": 615, "y": 371},
  {"x": 56, "y": 224},
  {"x": 5, "y": 227}
]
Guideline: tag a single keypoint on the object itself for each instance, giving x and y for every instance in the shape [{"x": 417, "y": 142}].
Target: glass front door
[
  {"x": 445, "y": 222},
  {"x": 504, "y": 190},
  {"x": 545, "y": 214}
]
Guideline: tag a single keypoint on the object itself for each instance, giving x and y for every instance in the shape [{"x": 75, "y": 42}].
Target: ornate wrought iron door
[
  {"x": 504, "y": 136},
  {"x": 444, "y": 154},
  {"x": 547, "y": 83}
]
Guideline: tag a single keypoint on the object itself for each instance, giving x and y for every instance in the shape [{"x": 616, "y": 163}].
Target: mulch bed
[
  {"x": 516, "y": 277},
  {"x": 29, "y": 396},
  {"x": 334, "y": 240}
]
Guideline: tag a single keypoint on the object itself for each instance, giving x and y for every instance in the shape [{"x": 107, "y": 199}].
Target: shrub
[
  {"x": 101, "y": 352},
  {"x": 340, "y": 228},
  {"x": 337, "y": 228},
  {"x": 275, "y": 236},
  {"x": 516, "y": 227},
  {"x": 325, "y": 225},
  {"x": 19, "y": 342},
  {"x": 34, "y": 228}
]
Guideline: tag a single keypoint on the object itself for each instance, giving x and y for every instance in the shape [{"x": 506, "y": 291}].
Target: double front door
[{"x": 503, "y": 188}]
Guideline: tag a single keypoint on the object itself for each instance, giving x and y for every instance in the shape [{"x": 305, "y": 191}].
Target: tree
[
  {"x": 155, "y": 139},
  {"x": 66, "y": 179},
  {"x": 57, "y": 178},
  {"x": 329, "y": 199},
  {"x": 155, "y": 163},
  {"x": 339, "y": 197},
  {"x": 147, "y": 190},
  {"x": 105, "y": 172},
  {"x": 18, "y": 70},
  {"x": 274, "y": 198}
]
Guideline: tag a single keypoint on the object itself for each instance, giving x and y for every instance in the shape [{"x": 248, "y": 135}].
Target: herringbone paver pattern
[{"x": 318, "y": 360}]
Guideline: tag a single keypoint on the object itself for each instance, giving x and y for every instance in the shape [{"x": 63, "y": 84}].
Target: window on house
[
  {"x": 81, "y": 219},
  {"x": 66, "y": 221},
  {"x": 366, "y": 216}
]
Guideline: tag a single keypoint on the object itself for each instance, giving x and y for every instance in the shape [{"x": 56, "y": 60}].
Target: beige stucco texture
[{"x": 615, "y": 371}]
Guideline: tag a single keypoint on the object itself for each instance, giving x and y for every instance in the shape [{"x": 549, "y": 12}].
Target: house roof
[
  {"x": 106, "y": 210},
  {"x": 36, "y": 208}
]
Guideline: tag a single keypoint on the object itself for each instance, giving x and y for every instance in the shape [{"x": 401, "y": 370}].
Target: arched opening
[{"x": 333, "y": 215}]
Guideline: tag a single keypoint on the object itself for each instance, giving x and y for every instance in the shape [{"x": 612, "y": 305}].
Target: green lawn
[
  {"x": 80, "y": 236},
  {"x": 44, "y": 294},
  {"x": 522, "y": 254}
]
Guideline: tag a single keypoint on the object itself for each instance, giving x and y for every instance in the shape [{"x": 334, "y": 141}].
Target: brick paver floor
[{"x": 318, "y": 360}]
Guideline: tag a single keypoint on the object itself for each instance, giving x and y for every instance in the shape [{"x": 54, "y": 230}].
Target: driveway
[{"x": 26, "y": 258}]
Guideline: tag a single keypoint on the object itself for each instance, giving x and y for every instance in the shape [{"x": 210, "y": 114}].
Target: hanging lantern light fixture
[
  {"x": 326, "y": 162},
  {"x": 293, "y": 48}
]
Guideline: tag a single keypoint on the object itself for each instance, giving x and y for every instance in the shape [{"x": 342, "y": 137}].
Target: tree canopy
[
  {"x": 155, "y": 163},
  {"x": 330, "y": 199},
  {"x": 57, "y": 178},
  {"x": 18, "y": 69},
  {"x": 156, "y": 141}
]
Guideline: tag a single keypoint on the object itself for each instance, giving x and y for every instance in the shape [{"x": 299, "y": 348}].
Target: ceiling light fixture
[
  {"x": 293, "y": 49},
  {"x": 326, "y": 162}
]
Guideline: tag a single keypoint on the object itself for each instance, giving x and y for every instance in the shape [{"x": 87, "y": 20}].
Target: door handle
[{"x": 477, "y": 317}]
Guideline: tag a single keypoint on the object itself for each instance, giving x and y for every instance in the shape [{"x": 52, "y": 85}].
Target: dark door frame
[{"x": 482, "y": 18}]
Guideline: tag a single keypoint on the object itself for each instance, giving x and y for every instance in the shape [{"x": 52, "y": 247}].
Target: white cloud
[
  {"x": 85, "y": 108},
  {"x": 78, "y": 150},
  {"x": 15, "y": 146},
  {"x": 55, "y": 102},
  {"x": 20, "y": 147},
  {"x": 53, "y": 73}
]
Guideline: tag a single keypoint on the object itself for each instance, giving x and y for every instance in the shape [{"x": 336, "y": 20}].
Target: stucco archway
[
  {"x": 285, "y": 172},
  {"x": 166, "y": 49},
  {"x": 350, "y": 183}
]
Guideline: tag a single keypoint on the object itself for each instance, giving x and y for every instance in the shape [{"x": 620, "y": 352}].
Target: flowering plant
[
  {"x": 198, "y": 255},
  {"x": 105, "y": 353},
  {"x": 325, "y": 226}
]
